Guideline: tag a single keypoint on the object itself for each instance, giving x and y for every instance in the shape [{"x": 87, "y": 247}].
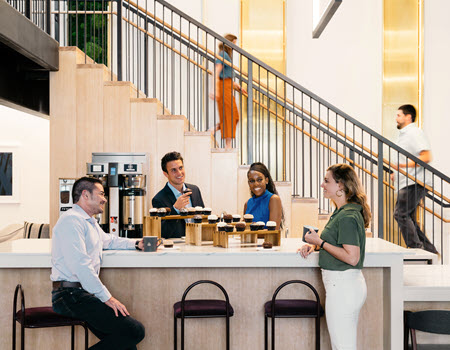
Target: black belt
[{"x": 66, "y": 284}]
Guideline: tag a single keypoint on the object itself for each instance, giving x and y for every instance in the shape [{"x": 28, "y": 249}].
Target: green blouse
[{"x": 346, "y": 226}]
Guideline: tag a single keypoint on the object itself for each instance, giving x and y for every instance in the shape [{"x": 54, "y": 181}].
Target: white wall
[
  {"x": 343, "y": 66},
  {"x": 221, "y": 16},
  {"x": 436, "y": 114},
  {"x": 31, "y": 135}
]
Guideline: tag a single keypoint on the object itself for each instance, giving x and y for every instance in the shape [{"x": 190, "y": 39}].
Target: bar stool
[
  {"x": 429, "y": 321},
  {"x": 201, "y": 308},
  {"x": 292, "y": 308},
  {"x": 41, "y": 317}
]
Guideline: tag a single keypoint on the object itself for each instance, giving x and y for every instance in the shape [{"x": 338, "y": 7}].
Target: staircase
[{"x": 170, "y": 57}]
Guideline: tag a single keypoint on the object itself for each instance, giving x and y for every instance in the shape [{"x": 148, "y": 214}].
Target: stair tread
[
  {"x": 171, "y": 117},
  {"x": 197, "y": 133}
]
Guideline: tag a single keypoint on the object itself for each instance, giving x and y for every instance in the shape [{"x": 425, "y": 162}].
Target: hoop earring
[{"x": 340, "y": 194}]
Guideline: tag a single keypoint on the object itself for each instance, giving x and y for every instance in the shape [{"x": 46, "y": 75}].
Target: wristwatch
[
  {"x": 323, "y": 242},
  {"x": 137, "y": 245}
]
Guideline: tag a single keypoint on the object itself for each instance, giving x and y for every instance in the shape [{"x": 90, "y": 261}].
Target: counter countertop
[
  {"x": 426, "y": 282},
  {"x": 36, "y": 253}
]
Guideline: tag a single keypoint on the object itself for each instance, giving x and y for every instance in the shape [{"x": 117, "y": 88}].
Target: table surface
[
  {"x": 37, "y": 253},
  {"x": 426, "y": 282}
]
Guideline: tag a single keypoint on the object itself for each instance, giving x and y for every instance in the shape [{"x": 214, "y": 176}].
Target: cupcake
[
  {"x": 261, "y": 225},
  {"x": 228, "y": 218},
  {"x": 191, "y": 211},
  {"x": 254, "y": 226},
  {"x": 267, "y": 245},
  {"x": 248, "y": 218},
  {"x": 207, "y": 211},
  {"x": 212, "y": 219},
  {"x": 153, "y": 212},
  {"x": 183, "y": 212},
  {"x": 221, "y": 226},
  {"x": 161, "y": 212},
  {"x": 271, "y": 225},
  {"x": 199, "y": 210},
  {"x": 168, "y": 210},
  {"x": 240, "y": 226},
  {"x": 236, "y": 218},
  {"x": 229, "y": 228},
  {"x": 168, "y": 243},
  {"x": 198, "y": 219}
]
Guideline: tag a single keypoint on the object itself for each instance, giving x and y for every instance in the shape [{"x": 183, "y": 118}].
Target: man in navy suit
[{"x": 175, "y": 195}]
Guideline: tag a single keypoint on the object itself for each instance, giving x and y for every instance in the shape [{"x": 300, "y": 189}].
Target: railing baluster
[
  {"x": 250, "y": 112},
  {"x": 380, "y": 190}
]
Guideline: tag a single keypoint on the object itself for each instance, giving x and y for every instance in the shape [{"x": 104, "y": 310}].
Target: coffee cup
[{"x": 151, "y": 243}]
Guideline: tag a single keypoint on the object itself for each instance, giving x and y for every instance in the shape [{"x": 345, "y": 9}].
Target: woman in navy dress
[{"x": 265, "y": 204}]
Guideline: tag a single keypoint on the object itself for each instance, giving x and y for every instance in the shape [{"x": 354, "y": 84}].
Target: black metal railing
[{"x": 172, "y": 57}]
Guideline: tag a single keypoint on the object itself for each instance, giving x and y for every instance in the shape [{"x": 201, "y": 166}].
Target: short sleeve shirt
[
  {"x": 346, "y": 226},
  {"x": 226, "y": 70},
  {"x": 414, "y": 141}
]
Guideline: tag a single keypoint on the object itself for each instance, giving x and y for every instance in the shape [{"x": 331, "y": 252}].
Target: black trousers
[
  {"x": 119, "y": 333},
  {"x": 405, "y": 214}
]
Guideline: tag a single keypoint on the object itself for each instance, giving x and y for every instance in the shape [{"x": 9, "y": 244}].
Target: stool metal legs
[
  {"x": 175, "y": 339},
  {"x": 72, "y": 337},
  {"x": 266, "y": 341},
  {"x": 175, "y": 333}
]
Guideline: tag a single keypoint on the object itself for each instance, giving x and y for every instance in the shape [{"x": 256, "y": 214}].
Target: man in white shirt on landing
[
  {"x": 77, "y": 245},
  {"x": 410, "y": 193}
]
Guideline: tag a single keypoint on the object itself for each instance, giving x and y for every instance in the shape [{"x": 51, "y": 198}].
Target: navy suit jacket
[{"x": 166, "y": 198}]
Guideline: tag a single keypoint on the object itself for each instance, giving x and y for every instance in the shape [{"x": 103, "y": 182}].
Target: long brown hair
[
  {"x": 354, "y": 191},
  {"x": 225, "y": 47}
]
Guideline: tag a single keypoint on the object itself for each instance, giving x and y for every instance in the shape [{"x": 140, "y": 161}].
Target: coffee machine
[{"x": 124, "y": 183}]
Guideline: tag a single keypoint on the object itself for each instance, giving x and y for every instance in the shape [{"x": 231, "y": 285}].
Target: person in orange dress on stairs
[{"x": 224, "y": 87}]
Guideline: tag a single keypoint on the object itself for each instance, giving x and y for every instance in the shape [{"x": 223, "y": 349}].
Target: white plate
[
  {"x": 268, "y": 249},
  {"x": 168, "y": 249}
]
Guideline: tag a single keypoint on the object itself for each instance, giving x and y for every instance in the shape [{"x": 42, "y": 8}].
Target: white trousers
[{"x": 346, "y": 292}]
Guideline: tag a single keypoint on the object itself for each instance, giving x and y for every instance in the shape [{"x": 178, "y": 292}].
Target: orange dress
[{"x": 228, "y": 112}]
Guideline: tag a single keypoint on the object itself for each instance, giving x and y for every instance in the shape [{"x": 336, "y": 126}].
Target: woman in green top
[{"x": 341, "y": 256}]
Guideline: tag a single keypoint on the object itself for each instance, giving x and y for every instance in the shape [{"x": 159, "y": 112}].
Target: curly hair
[{"x": 261, "y": 168}]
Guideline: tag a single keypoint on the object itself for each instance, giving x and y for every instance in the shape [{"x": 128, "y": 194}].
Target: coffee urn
[
  {"x": 132, "y": 197},
  {"x": 122, "y": 177}
]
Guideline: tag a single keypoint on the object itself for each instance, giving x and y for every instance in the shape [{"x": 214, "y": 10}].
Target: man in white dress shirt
[
  {"x": 410, "y": 194},
  {"x": 77, "y": 245}
]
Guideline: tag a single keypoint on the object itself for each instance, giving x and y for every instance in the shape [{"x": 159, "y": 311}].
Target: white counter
[
  {"x": 238, "y": 266},
  {"x": 36, "y": 253},
  {"x": 426, "y": 283}
]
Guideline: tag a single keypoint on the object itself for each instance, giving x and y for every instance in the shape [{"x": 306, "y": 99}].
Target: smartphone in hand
[{"x": 306, "y": 229}]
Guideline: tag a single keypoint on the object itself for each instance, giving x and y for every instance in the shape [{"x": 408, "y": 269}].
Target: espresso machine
[{"x": 124, "y": 184}]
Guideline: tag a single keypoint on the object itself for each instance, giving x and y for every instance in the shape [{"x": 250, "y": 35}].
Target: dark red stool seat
[
  {"x": 41, "y": 317},
  {"x": 292, "y": 308},
  {"x": 201, "y": 308}
]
